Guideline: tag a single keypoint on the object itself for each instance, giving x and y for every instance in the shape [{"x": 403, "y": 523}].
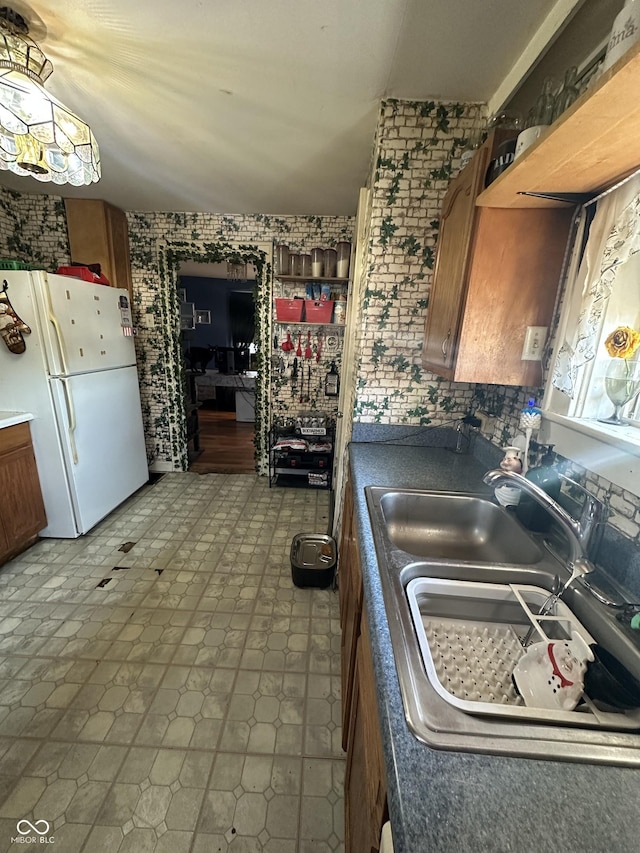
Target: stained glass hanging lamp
[{"x": 39, "y": 136}]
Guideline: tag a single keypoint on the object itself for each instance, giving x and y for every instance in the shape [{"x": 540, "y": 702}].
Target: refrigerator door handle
[
  {"x": 56, "y": 325},
  {"x": 71, "y": 414}
]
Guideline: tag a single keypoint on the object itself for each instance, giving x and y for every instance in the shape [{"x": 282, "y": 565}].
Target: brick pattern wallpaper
[
  {"x": 206, "y": 237},
  {"x": 417, "y": 150},
  {"x": 33, "y": 229}
]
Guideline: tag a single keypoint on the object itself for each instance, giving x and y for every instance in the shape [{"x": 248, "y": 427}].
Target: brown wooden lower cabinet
[
  {"x": 350, "y": 588},
  {"x": 22, "y": 513},
  {"x": 365, "y": 785},
  {"x": 365, "y": 789}
]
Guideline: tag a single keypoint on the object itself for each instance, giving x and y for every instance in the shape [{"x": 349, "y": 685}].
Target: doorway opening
[
  {"x": 237, "y": 361},
  {"x": 218, "y": 339}
]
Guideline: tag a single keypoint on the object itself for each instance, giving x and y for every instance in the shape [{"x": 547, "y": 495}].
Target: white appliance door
[
  {"x": 100, "y": 427},
  {"x": 82, "y": 324}
]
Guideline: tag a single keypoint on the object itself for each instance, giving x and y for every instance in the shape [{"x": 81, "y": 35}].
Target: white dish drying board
[{"x": 470, "y": 663}]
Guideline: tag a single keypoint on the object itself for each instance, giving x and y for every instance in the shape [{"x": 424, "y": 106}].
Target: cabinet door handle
[{"x": 445, "y": 345}]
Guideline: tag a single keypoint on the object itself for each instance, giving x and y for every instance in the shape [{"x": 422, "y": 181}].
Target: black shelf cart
[{"x": 301, "y": 456}]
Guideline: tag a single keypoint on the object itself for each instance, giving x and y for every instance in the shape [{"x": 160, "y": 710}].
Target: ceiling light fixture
[{"x": 39, "y": 136}]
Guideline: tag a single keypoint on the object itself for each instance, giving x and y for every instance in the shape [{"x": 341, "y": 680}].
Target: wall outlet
[{"x": 534, "y": 343}]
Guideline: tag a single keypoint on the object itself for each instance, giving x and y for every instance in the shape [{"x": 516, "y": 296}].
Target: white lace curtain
[{"x": 614, "y": 237}]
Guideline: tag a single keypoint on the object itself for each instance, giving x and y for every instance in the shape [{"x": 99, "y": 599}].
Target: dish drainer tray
[{"x": 470, "y": 637}]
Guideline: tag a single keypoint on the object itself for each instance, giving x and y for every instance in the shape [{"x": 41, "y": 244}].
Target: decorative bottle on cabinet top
[
  {"x": 569, "y": 92},
  {"x": 545, "y": 105}
]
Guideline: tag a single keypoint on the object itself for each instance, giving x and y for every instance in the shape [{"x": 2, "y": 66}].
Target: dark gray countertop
[{"x": 456, "y": 802}]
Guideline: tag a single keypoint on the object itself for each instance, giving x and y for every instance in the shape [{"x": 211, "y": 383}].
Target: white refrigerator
[{"x": 78, "y": 379}]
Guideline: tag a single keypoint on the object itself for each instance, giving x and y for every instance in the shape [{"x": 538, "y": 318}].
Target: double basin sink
[{"x": 462, "y": 560}]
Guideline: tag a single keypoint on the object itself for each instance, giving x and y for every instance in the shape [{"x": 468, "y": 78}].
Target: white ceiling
[{"x": 265, "y": 106}]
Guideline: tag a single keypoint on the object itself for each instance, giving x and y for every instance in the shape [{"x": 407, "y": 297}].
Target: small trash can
[{"x": 313, "y": 560}]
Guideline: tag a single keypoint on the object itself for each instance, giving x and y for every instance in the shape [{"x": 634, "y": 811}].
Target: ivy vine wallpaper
[
  {"x": 416, "y": 151},
  {"x": 159, "y": 241}
]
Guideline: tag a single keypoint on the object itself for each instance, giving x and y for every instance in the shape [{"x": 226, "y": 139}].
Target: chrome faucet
[
  {"x": 574, "y": 531},
  {"x": 592, "y": 517}
]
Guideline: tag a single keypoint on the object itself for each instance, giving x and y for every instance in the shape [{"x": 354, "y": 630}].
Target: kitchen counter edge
[
  {"x": 442, "y": 801},
  {"x": 8, "y": 419}
]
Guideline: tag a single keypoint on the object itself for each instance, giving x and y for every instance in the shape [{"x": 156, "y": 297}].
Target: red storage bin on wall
[
  {"x": 289, "y": 310},
  {"x": 318, "y": 311}
]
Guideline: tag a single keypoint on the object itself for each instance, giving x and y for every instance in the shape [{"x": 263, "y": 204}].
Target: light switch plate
[{"x": 534, "y": 343}]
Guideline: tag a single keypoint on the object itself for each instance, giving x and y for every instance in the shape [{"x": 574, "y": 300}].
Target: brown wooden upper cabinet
[
  {"x": 99, "y": 234},
  {"x": 497, "y": 272},
  {"x": 587, "y": 149}
]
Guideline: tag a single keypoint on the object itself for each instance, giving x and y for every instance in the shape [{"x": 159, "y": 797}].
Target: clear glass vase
[{"x": 622, "y": 384}]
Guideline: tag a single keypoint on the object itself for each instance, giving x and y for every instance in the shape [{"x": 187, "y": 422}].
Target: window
[{"x": 602, "y": 294}]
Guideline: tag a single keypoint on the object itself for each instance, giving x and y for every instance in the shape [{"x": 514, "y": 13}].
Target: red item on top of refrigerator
[{"x": 90, "y": 273}]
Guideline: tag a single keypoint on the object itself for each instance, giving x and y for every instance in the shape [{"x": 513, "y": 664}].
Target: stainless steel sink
[
  {"x": 405, "y": 522},
  {"x": 455, "y": 527}
]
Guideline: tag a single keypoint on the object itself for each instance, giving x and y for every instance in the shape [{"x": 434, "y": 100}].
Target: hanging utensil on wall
[
  {"x": 302, "y": 383},
  {"x": 299, "y": 348},
  {"x": 294, "y": 378},
  {"x": 319, "y": 347},
  {"x": 309, "y": 382},
  {"x": 287, "y": 345},
  {"x": 308, "y": 351}
]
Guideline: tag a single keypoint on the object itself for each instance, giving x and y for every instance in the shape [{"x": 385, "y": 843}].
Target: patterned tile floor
[{"x": 165, "y": 687}]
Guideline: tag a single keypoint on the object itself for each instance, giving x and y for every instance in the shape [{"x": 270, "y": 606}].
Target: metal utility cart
[{"x": 301, "y": 452}]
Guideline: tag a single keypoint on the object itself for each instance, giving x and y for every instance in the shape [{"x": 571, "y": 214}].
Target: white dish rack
[{"x": 469, "y": 661}]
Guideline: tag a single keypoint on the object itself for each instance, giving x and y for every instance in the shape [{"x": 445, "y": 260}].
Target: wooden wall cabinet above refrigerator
[
  {"x": 99, "y": 234},
  {"x": 497, "y": 272}
]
